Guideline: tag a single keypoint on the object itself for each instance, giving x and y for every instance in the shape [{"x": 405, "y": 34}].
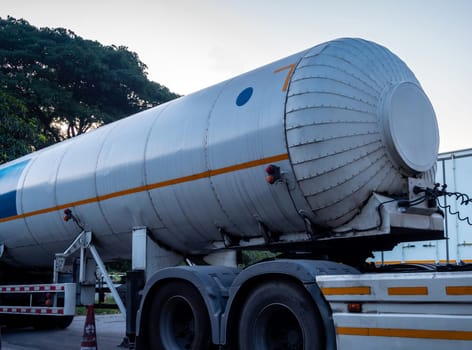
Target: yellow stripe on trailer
[
  {"x": 360, "y": 290},
  {"x": 405, "y": 333},
  {"x": 459, "y": 290},
  {"x": 408, "y": 291}
]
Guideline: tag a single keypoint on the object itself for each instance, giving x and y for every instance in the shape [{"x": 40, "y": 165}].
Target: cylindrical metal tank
[{"x": 341, "y": 120}]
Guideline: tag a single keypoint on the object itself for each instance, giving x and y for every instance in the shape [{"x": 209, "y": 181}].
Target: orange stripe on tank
[{"x": 170, "y": 182}]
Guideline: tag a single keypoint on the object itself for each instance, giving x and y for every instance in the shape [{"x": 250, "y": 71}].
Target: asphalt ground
[{"x": 110, "y": 331}]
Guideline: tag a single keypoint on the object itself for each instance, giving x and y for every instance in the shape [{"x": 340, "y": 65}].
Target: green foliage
[
  {"x": 120, "y": 266},
  {"x": 249, "y": 257},
  {"x": 69, "y": 85},
  {"x": 82, "y": 311},
  {"x": 18, "y": 135}
]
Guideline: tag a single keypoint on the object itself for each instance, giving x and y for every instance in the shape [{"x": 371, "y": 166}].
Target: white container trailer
[
  {"x": 453, "y": 169},
  {"x": 318, "y": 156}
]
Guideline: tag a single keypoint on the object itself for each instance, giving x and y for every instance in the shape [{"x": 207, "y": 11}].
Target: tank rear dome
[{"x": 357, "y": 121}]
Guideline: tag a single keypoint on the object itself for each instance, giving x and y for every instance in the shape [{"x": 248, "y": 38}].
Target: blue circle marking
[{"x": 244, "y": 96}]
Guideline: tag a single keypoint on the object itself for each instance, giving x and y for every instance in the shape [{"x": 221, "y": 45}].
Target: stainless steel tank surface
[{"x": 339, "y": 121}]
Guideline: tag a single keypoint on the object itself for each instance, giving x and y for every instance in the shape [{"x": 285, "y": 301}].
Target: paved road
[{"x": 110, "y": 332}]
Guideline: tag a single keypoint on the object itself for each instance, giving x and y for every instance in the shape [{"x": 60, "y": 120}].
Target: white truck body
[
  {"x": 401, "y": 310},
  {"x": 454, "y": 169}
]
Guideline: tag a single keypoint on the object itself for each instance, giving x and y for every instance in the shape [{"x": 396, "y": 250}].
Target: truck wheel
[
  {"x": 64, "y": 322},
  {"x": 178, "y": 318},
  {"x": 279, "y": 315},
  {"x": 52, "y": 322}
]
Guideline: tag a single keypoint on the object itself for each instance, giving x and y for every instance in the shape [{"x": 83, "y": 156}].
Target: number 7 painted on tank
[{"x": 291, "y": 68}]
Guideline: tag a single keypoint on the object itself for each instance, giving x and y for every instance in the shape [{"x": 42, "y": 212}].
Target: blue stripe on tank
[{"x": 9, "y": 177}]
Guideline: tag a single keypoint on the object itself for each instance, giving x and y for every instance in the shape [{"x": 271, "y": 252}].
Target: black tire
[
  {"x": 64, "y": 322},
  {"x": 42, "y": 323},
  {"x": 178, "y": 319},
  {"x": 280, "y": 315}
]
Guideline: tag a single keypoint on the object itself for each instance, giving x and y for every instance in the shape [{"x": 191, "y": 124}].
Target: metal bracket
[
  {"x": 149, "y": 255},
  {"x": 268, "y": 235},
  {"x": 108, "y": 280},
  {"x": 229, "y": 239},
  {"x": 83, "y": 242},
  {"x": 308, "y": 225}
]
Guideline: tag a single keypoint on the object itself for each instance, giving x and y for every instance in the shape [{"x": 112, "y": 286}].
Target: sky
[{"x": 189, "y": 45}]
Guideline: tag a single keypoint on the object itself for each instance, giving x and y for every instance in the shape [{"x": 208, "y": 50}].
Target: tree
[
  {"x": 68, "y": 84},
  {"x": 18, "y": 135}
]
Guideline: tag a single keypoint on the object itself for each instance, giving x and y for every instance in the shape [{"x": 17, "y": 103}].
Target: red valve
[
  {"x": 273, "y": 173},
  {"x": 67, "y": 214}
]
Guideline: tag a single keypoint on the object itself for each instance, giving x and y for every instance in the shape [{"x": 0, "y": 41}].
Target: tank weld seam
[
  {"x": 329, "y": 122},
  {"x": 391, "y": 177},
  {"x": 313, "y": 51},
  {"x": 362, "y": 76},
  {"x": 26, "y": 172},
  {"x": 331, "y": 93},
  {"x": 206, "y": 154},
  {"x": 338, "y": 81},
  {"x": 353, "y": 193},
  {"x": 369, "y": 59},
  {"x": 296, "y": 196},
  {"x": 338, "y": 152},
  {"x": 341, "y": 182},
  {"x": 366, "y": 86},
  {"x": 348, "y": 108},
  {"x": 95, "y": 179},
  {"x": 359, "y": 188},
  {"x": 361, "y": 58},
  {"x": 348, "y": 178},
  {"x": 312, "y": 141},
  {"x": 395, "y": 66},
  {"x": 145, "y": 165}
]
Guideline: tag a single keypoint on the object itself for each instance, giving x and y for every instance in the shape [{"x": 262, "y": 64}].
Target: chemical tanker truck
[{"x": 321, "y": 157}]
